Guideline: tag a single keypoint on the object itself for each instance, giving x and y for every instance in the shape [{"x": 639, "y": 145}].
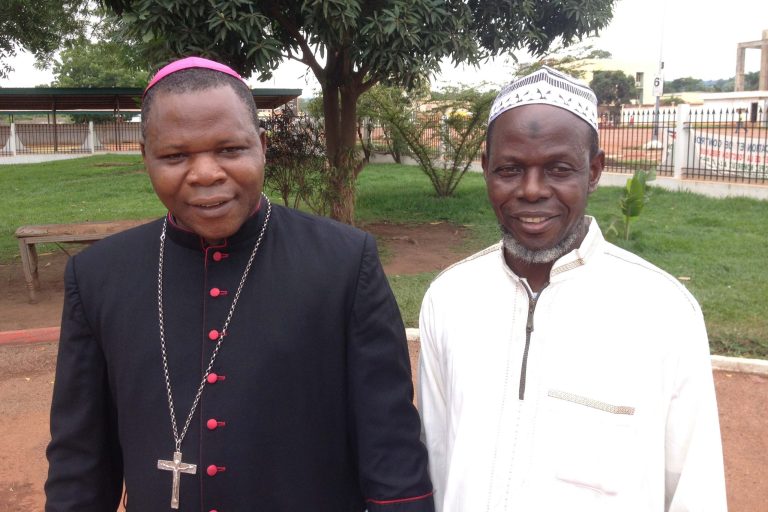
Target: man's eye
[
  {"x": 231, "y": 150},
  {"x": 173, "y": 157},
  {"x": 509, "y": 171},
  {"x": 560, "y": 170}
]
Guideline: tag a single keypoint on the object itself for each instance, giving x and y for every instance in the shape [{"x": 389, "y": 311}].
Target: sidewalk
[{"x": 36, "y": 158}]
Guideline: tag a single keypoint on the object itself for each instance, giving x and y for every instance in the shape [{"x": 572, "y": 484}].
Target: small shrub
[
  {"x": 297, "y": 166},
  {"x": 634, "y": 197}
]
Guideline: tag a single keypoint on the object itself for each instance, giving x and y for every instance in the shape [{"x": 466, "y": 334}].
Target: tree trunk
[{"x": 340, "y": 111}]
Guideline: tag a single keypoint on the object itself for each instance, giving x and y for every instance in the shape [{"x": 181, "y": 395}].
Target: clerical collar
[{"x": 245, "y": 236}]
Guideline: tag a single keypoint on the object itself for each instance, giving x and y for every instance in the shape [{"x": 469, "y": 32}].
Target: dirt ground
[{"x": 27, "y": 371}]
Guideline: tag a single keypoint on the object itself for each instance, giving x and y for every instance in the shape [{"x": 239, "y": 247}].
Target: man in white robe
[{"x": 558, "y": 371}]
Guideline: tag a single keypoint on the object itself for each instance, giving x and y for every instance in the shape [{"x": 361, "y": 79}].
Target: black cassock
[{"x": 310, "y": 408}]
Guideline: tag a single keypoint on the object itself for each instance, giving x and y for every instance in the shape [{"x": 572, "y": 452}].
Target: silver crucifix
[{"x": 177, "y": 467}]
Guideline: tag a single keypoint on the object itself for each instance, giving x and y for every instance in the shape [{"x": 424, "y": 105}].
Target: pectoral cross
[{"x": 177, "y": 467}]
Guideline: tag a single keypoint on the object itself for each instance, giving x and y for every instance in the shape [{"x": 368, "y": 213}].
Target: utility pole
[
  {"x": 658, "y": 90},
  {"x": 658, "y": 87}
]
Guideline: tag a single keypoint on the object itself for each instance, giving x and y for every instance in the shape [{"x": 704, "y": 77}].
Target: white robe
[{"x": 618, "y": 412}]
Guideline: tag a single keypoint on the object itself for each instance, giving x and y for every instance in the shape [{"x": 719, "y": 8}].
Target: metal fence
[
  {"x": 438, "y": 136},
  {"x": 638, "y": 139},
  {"x": 714, "y": 144},
  {"x": 43, "y": 138},
  {"x": 5, "y": 137},
  {"x": 683, "y": 142},
  {"x": 51, "y": 138},
  {"x": 117, "y": 136},
  {"x": 727, "y": 145}
]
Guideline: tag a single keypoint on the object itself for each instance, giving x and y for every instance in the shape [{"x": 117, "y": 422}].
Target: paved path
[{"x": 33, "y": 159}]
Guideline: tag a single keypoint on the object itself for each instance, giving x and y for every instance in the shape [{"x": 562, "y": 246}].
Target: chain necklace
[{"x": 176, "y": 465}]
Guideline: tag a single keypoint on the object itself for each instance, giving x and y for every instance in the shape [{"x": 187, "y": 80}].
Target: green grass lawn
[
  {"x": 721, "y": 245},
  {"x": 104, "y": 187}
]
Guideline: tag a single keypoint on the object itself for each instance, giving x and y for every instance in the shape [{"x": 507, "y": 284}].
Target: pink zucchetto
[{"x": 187, "y": 63}]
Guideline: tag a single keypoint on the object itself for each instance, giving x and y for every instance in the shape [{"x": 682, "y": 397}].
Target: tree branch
[{"x": 308, "y": 56}]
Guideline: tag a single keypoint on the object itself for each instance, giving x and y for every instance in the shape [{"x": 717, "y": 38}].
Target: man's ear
[
  {"x": 484, "y": 163},
  {"x": 263, "y": 139},
  {"x": 143, "y": 153},
  {"x": 596, "y": 166}
]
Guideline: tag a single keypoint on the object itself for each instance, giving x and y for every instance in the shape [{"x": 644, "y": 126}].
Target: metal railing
[
  {"x": 727, "y": 145},
  {"x": 5, "y": 140},
  {"x": 683, "y": 142},
  {"x": 639, "y": 139},
  {"x": 117, "y": 136},
  {"x": 433, "y": 137},
  {"x": 44, "y": 138},
  {"x": 51, "y": 138}
]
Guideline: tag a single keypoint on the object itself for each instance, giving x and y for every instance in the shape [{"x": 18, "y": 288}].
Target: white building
[
  {"x": 642, "y": 72},
  {"x": 754, "y": 103}
]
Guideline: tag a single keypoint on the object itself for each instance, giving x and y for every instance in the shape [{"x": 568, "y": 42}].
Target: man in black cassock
[{"x": 234, "y": 355}]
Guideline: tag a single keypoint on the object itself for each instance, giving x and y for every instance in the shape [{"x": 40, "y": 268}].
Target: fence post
[
  {"x": 90, "y": 145},
  {"x": 439, "y": 132},
  {"x": 12, "y": 140},
  {"x": 682, "y": 136}
]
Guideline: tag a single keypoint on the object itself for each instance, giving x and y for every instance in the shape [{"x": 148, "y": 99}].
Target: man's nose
[
  {"x": 205, "y": 170},
  {"x": 534, "y": 186}
]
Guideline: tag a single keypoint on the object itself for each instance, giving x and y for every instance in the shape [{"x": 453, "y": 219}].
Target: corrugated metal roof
[{"x": 107, "y": 99}]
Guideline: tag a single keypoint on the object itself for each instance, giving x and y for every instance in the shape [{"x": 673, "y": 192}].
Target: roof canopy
[{"x": 53, "y": 99}]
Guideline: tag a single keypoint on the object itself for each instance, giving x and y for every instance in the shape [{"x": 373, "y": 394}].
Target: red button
[
  {"x": 213, "y": 510},
  {"x": 212, "y": 470},
  {"x": 218, "y": 256},
  {"x": 213, "y": 378},
  {"x": 213, "y": 335},
  {"x": 213, "y": 424},
  {"x": 215, "y": 292}
]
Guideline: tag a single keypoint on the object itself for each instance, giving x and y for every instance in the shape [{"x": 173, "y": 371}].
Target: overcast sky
[{"x": 693, "y": 37}]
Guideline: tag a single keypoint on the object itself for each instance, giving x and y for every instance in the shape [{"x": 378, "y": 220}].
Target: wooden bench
[{"x": 80, "y": 232}]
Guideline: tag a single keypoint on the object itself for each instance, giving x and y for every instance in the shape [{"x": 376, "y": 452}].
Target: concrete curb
[
  {"x": 740, "y": 365},
  {"x": 720, "y": 363},
  {"x": 25, "y": 336}
]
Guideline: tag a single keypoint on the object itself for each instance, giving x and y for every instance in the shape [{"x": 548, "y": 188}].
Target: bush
[{"x": 296, "y": 165}]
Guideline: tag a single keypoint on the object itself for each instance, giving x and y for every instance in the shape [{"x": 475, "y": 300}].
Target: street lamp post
[{"x": 658, "y": 90}]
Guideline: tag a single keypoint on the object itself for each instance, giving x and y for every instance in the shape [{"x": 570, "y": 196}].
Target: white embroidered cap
[{"x": 549, "y": 87}]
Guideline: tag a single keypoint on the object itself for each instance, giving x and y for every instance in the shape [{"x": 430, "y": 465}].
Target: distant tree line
[
  {"x": 613, "y": 87},
  {"x": 690, "y": 84}
]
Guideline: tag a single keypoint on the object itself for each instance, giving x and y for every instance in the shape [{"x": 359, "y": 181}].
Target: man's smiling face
[
  {"x": 539, "y": 174},
  {"x": 205, "y": 158}
]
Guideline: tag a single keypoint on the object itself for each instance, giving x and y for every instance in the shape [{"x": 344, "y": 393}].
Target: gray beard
[{"x": 519, "y": 252}]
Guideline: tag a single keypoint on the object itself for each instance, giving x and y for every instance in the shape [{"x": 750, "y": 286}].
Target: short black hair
[
  {"x": 594, "y": 140},
  {"x": 194, "y": 80}
]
